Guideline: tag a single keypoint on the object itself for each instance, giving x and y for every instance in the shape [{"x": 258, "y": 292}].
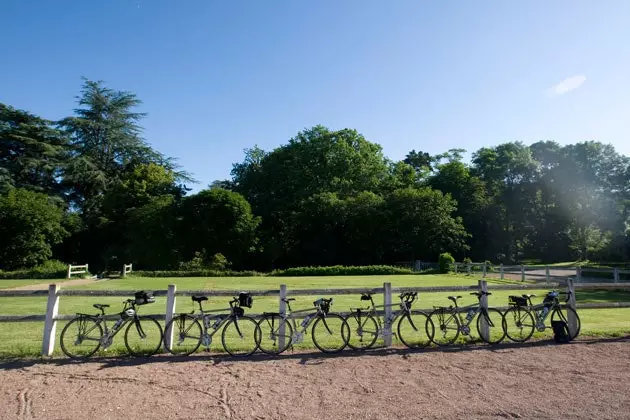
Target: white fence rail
[
  {"x": 76, "y": 269},
  {"x": 54, "y": 293},
  {"x": 127, "y": 268}
]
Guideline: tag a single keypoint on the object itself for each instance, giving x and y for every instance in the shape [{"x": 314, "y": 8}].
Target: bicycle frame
[
  {"x": 538, "y": 310},
  {"x": 298, "y": 336},
  {"x": 405, "y": 308},
  {"x": 108, "y": 334}
]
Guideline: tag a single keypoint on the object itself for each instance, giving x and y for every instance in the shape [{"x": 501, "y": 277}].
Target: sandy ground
[
  {"x": 44, "y": 286},
  {"x": 584, "y": 379}
]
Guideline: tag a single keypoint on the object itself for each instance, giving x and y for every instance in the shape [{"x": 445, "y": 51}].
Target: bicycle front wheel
[
  {"x": 81, "y": 338},
  {"x": 360, "y": 331},
  {"x": 443, "y": 327},
  {"x": 493, "y": 319},
  {"x": 185, "y": 333},
  {"x": 518, "y": 324},
  {"x": 239, "y": 336},
  {"x": 412, "y": 330},
  {"x": 562, "y": 314},
  {"x": 270, "y": 337},
  {"x": 328, "y": 333},
  {"x": 143, "y": 337}
]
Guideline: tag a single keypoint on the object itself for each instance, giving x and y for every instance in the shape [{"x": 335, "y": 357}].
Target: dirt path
[
  {"x": 539, "y": 380},
  {"x": 44, "y": 286}
]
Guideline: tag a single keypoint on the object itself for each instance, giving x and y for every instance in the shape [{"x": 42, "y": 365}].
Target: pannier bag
[
  {"x": 245, "y": 299},
  {"x": 517, "y": 300},
  {"x": 142, "y": 297},
  {"x": 560, "y": 331}
]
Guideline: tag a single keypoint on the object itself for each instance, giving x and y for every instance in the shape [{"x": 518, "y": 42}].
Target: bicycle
[
  {"x": 238, "y": 335},
  {"x": 524, "y": 317},
  {"x": 364, "y": 326},
  {"x": 275, "y": 332},
  {"x": 93, "y": 332},
  {"x": 452, "y": 319}
]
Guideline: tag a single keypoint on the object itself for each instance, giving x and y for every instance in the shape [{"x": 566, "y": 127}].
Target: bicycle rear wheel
[
  {"x": 328, "y": 333},
  {"x": 496, "y": 333},
  {"x": 81, "y": 338},
  {"x": 360, "y": 331},
  {"x": 443, "y": 328},
  {"x": 412, "y": 330},
  {"x": 269, "y": 336},
  {"x": 143, "y": 337},
  {"x": 239, "y": 336},
  {"x": 518, "y": 324},
  {"x": 563, "y": 315},
  {"x": 185, "y": 333}
]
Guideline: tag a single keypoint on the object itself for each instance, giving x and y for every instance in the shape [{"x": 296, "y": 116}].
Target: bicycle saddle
[
  {"x": 199, "y": 298},
  {"x": 454, "y": 298},
  {"x": 479, "y": 294},
  {"x": 100, "y": 306},
  {"x": 288, "y": 299}
]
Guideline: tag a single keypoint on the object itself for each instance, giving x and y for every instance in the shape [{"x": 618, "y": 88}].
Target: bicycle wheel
[
  {"x": 81, "y": 338},
  {"x": 558, "y": 314},
  {"x": 360, "y": 331},
  {"x": 443, "y": 328},
  {"x": 269, "y": 337},
  {"x": 412, "y": 330},
  {"x": 518, "y": 324},
  {"x": 239, "y": 336},
  {"x": 185, "y": 333},
  {"x": 143, "y": 337},
  {"x": 496, "y": 333},
  {"x": 328, "y": 333}
]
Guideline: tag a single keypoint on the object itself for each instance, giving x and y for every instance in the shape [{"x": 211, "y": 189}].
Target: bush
[
  {"x": 51, "y": 269},
  {"x": 489, "y": 266},
  {"x": 340, "y": 270},
  {"x": 446, "y": 262},
  {"x": 196, "y": 273},
  {"x": 201, "y": 262}
]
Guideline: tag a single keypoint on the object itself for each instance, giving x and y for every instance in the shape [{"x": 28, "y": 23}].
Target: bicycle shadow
[{"x": 302, "y": 357}]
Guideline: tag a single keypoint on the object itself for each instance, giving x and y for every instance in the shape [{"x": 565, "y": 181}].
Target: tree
[
  {"x": 30, "y": 224},
  {"x": 32, "y": 152}
]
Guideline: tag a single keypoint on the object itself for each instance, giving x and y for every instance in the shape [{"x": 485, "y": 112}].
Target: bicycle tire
[
  {"x": 336, "y": 336},
  {"x": 417, "y": 320},
  {"x": 564, "y": 318},
  {"x": 273, "y": 323},
  {"x": 498, "y": 323},
  {"x": 365, "y": 341},
  {"x": 66, "y": 330},
  {"x": 180, "y": 332},
  {"x": 149, "y": 323},
  {"x": 242, "y": 331},
  {"x": 438, "y": 315},
  {"x": 523, "y": 320}
]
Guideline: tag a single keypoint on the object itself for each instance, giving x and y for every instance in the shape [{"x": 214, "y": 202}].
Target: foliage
[
  {"x": 446, "y": 261},
  {"x": 51, "y": 269},
  {"x": 196, "y": 273},
  {"x": 340, "y": 270},
  {"x": 30, "y": 224}
]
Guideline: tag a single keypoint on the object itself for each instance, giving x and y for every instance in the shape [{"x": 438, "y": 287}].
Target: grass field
[{"x": 24, "y": 339}]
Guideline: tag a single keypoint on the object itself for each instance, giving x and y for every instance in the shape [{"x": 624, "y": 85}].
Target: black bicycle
[
  {"x": 85, "y": 334},
  {"x": 523, "y": 317},
  {"x": 238, "y": 335},
  {"x": 451, "y": 322},
  {"x": 275, "y": 332},
  {"x": 364, "y": 326}
]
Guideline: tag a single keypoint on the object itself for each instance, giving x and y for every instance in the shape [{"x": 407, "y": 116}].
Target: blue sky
[{"x": 218, "y": 77}]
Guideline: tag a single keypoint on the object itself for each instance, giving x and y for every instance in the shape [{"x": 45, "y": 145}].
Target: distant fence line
[{"x": 54, "y": 292}]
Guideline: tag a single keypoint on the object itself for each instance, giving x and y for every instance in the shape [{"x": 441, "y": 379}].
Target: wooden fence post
[
  {"x": 50, "y": 327},
  {"x": 483, "y": 302},
  {"x": 69, "y": 271},
  {"x": 468, "y": 268},
  {"x": 571, "y": 304},
  {"x": 282, "y": 309},
  {"x": 547, "y": 274},
  {"x": 616, "y": 275},
  {"x": 387, "y": 299},
  {"x": 502, "y": 273},
  {"x": 484, "y": 270},
  {"x": 171, "y": 301},
  {"x": 455, "y": 264},
  {"x": 522, "y": 273},
  {"x": 578, "y": 274}
]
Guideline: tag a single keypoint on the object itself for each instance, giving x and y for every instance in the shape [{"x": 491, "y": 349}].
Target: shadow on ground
[{"x": 301, "y": 356}]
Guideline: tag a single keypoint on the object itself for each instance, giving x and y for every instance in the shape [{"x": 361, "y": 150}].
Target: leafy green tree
[{"x": 30, "y": 225}]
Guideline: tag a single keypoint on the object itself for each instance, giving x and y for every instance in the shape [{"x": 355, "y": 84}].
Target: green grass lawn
[
  {"x": 8, "y": 284},
  {"x": 21, "y": 339}
]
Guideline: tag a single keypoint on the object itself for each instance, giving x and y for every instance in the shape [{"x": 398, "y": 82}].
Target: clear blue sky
[{"x": 218, "y": 77}]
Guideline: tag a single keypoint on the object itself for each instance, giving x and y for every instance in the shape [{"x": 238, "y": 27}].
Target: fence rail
[{"x": 54, "y": 293}]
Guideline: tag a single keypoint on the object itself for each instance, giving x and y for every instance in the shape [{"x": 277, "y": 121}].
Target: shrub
[
  {"x": 446, "y": 262},
  {"x": 489, "y": 266},
  {"x": 195, "y": 273},
  {"x": 51, "y": 269}
]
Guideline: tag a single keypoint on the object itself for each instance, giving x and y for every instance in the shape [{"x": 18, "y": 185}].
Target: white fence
[
  {"x": 55, "y": 292},
  {"x": 76, "y": 269},
  {"x": 127, "y": 268}
]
